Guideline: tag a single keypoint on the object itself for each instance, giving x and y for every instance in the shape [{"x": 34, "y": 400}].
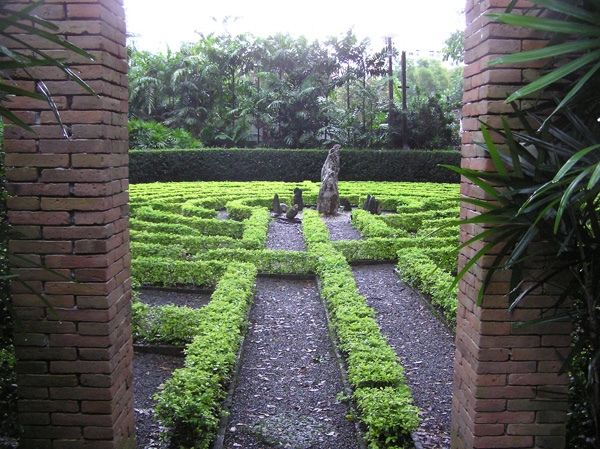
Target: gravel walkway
[
  {"x": 289, "y": 380},
  {"x": 149, "y": 372},
  {"x": 285, "y": 235},
  {"x": 424, "y": 345},
  {"x": 167, "y": 298},
  {"x": 340, "y": 227}
]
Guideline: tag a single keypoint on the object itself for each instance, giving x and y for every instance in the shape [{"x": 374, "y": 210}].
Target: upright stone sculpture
[
  {"x": 328, "y": 201},
  {"x": 298, "y": 198},
  {"x": 276, "y": 205}
]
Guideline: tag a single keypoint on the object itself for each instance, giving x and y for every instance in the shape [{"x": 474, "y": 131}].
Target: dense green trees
[{"x": 282, "y": 92}]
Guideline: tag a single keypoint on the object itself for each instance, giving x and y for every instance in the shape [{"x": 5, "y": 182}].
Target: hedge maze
[{"x": 177, "y": 240}]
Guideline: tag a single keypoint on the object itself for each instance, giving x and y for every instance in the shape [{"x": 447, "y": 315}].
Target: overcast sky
[{"x": 415, "y": 25}]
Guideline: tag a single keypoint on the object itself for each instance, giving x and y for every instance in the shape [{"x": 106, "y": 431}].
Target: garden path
[
  {"x": 423, "y": 344},
  {"x": 289, "y": 379},
  {"x": 286, "y": 393}
]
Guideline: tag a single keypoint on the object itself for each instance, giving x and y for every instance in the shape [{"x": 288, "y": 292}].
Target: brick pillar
[
  {"x": 71, "y": 207},
  {"x": 507, "y": 391}
]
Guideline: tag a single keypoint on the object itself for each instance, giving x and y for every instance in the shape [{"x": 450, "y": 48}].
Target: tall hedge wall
[{"x": 289, "y": 165}]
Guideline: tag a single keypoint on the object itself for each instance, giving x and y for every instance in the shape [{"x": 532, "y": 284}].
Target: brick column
[
  {"x": 70, "y": 207},
  {"x": 507, "y": 391}
]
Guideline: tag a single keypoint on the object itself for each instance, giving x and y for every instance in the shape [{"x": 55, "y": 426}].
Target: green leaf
[
  {"x": 546, "y": 52},
  {"x": 572, "y": 161},
  {"x": 493, "y": 152},
  {"x": 549, "y": 25},
  {"x": 554, "y": 76},
  {"x": 481, "y": 203},
  {"x": 473, "y": 176},
  {"x": 573, "y": 92},
  {"x": 513, "y": 147},
  {"x": 567, "y": 8},
  {"x": 595, "y": 177},
  {"x": 52, "y": 38},
  {"x": 13, "y": 90},
  {"x": 565, "y": 201},
  {"x": 564, "y": 316},
  {"x": 4, "y": 112}
]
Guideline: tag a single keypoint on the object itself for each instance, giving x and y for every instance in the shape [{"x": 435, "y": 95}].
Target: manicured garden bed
[{"x": 178, "y": 242}]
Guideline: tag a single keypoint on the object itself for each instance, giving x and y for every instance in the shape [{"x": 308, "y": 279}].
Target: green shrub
[
  {"x": 380, "y": 390},
  {"x": 371, "y": 225},
  {"x": 266, "y": 261},
  {"x": 387, "y": 413},
  {"x": 166, "y": 272},
  {"x": 169, "y": 324},
  {"x": 290, "y": 165},
  {"x": 190, "y": 403},
  {"x": 192, "y": 244},
  {"x": 255, "y": 229},
  {"x": 418, "y": 269},
  {"x": 165, "y": 222}
]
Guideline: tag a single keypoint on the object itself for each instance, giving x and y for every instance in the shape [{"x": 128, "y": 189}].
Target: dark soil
[
  {"x": 150, "y": 371},
  {"x": 340, "y": 227},
  {"x": 285, "y": 235},
  {"x": 160, "y": 297}
]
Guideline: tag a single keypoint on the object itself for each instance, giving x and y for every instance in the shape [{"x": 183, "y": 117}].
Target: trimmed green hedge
[
  {"x": 420, "y": 270},
  {"x": 190, "y": 403},
  {"x": 380, "y": 391},
  {"x": 289, "y": 165}
]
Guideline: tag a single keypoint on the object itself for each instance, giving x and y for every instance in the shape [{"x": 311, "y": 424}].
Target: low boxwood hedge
[
  {"x": 380, "y": 391},
  {"x": 289, "y": 165},
  {"x": 190, "y": 403}
]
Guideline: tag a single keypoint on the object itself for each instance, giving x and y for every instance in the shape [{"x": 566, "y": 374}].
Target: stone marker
[
  {"x": 367, "y": 202},
  {"x": 328, "y": 201},
  {"x": 372, "y": 205},
  {"x": 345, "y": 203},
  {"x": 292, "y": 212},
  {"x": 375, "y": 206},
  {"x": 276, "y": 206},
  {"x": 298, "y": 198}
]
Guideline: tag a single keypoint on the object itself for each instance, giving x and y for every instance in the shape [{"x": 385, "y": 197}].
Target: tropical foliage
[
  {"x": 283, "y": 92},
  {"x": 154, "y": 136}
]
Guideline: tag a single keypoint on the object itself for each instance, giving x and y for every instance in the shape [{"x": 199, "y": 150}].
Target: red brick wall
[
  {"x": 71, "y": 206},
  {"x": 498, "y": 368}
]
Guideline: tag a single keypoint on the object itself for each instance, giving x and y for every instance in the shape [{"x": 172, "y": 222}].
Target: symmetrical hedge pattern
[{"x": 178, "y": 242}]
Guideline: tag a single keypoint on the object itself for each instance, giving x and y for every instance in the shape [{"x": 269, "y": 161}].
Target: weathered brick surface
[
  {"x": 70, "y": 205},
  {"x": 499, "y": 368}
]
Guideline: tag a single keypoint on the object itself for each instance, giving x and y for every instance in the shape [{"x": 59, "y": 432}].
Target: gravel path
[
  {"x": 149, "y": 372},
  {"x": 167, "y": 298},
  {"x": 285, "y": 235},
  {"x": 424, "y": 345},
  {"x": 289, "y": 380},
  {"x": 340, "y": 227}
]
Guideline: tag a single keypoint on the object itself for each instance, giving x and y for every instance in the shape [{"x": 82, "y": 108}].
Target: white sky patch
[{"x": 422, "y": 25}]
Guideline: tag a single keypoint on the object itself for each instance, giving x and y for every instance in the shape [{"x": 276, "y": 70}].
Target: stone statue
[
  {"x": 276, "y": 206},
  {"x": 298, "y": 198},
  {"x": 328, "y": 201}
]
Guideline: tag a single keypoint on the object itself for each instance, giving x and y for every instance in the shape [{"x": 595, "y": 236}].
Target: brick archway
[{"x": 71, "y": 207}]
